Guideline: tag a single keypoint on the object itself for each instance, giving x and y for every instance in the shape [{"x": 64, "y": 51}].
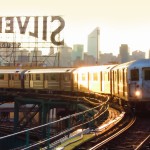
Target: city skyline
[{"x": 120, "y": 22}]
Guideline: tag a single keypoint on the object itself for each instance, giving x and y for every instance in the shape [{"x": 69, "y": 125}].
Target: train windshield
[
  {"x": 135, "y": 75},
  {"x": 147, "y": 74}
]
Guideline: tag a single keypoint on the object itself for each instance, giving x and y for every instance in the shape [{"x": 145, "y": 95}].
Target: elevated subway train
[{"x": 129, "y": 81}]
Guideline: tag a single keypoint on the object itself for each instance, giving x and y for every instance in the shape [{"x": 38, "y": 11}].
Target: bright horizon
[{"x": 120, "y": 21}]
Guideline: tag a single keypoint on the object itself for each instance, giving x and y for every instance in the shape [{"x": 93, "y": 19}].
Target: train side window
[
  {"x": 37, "y": 76},
  {"x": 135, "y": 75},
  {"x": 83, "y": 77},
  {"x": 53, "y": 77},
  {"x": 90, "y": 76},
  {"x": 31, "y": 76},
  {"x": 120, "y": 75},
  {"x": 48, "y": 76},
  {"x": 10, "y": 76},
  {"x": 75, "y": 77},
  {"x": 1, "y": 76},
  {"x": 147, "y": 75},
  {"x": 25, "y": 77},
  {"x": 66, "y": 77},
  {"x": 17, "y": 76},
  {"x": 95, "y": 76}
]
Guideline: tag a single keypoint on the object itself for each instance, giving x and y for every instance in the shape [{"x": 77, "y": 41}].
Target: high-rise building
[
  {"x": 108, "y": 58},
  {"x": 136, "y": 55},
  {"x": 124, "y": 53},
  {"x": 64, "y": 58},
  {"x": 77, "y": 52},
  {"x": 93, "y": 44}
]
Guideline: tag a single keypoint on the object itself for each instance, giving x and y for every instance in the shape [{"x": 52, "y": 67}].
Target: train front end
[{"x": 139, "y": 83}]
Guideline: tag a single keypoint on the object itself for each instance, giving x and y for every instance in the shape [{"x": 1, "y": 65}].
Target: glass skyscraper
[{"x": 93, "y": 44}]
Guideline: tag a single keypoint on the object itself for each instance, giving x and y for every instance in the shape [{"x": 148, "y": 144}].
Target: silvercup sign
[{"x": 43, "y": 28}]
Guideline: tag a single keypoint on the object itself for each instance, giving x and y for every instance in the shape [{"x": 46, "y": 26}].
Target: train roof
[
  {"x": 94, "y": 68},
  {"x": 134, "y": 64},
  {"x": 50, "y": 70},
  {"x": 142, "y": 63},
  {"x": 11, "y": 71}
]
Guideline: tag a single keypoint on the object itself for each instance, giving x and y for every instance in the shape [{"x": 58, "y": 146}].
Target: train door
[
  {"x": 118, "y": 82},
  {"x": 31, "y": 80},
  {"x": 146, "y": 82},
  {"x": 26, "y": 80},
  {"x": 75, "y": 81},
  {"x": 134, "y": 79},
  {"x": 101, "y": 81},
  {"x": 11, "y": 80},
  {"x": 113, "y": 82},
  {"x": 84, "y": 81},
  {"x": 66, "y": 83},
  {"x": 17, "y": 80},
  {"x": 45, "y": 80},
  {"x": 124, "y": 83}
]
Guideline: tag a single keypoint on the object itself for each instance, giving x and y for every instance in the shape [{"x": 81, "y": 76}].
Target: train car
[
  {"x": 119, "y": 80},
  {"x": 93, "y": 78},
  {"x": 131, "y": 81},
  {"x": 12, "y": 78},
  {"x": 52, "y": 79}
]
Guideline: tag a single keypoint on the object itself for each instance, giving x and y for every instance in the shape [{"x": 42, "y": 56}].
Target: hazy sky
[{"x": 120, "y": 21}]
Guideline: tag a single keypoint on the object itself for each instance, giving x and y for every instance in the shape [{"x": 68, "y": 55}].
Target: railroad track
[
  {"x": 102, "y": 138},
  {"x": 135, "y": 138}
]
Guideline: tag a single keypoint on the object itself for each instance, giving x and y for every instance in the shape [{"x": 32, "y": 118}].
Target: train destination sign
[{"x": 41, "y": 28}]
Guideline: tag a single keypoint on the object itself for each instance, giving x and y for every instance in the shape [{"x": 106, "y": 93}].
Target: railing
[{"x": 48, "y": 135}]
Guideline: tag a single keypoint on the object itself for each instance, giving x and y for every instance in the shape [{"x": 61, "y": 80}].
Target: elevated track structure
[{"x": 86, "y": 111}]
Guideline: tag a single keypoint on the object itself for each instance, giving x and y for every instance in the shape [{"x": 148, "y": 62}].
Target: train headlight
[{"x": 137, "y": 93}]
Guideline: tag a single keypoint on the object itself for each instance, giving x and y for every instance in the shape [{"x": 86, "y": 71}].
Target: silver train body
[{"x": 129, "y": 81}]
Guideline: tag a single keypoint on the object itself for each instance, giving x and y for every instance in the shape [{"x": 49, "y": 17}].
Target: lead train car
[
  {"x": 52, "y": 79},
  {"x": 131, "y": 81}
]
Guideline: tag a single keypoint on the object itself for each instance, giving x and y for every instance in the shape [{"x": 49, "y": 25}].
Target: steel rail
[{"x": 114, "y": 135}]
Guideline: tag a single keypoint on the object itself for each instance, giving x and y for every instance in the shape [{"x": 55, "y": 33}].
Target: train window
[
  {"x": 90, "y": 76},
  {"x": 6, "y": 76},
  {"x": 147, "y": 75},
  {"x": 83, "y": 76},
  {"x": 25, "y": 77},
  {"x": 135, "y": 75},
  {"x": 115, "y": 76},
  {"x": 16, "y": 76},
  {"x": 31, "y": 76},
  {"x": 37, "y": 76},
  {"x": 95, "y": 76},
  {"x": 66, "y": 77},
  {"x": 108, "y": 76},
  {"x": 120, "y": 75},
  {"x": 75, "y": 77},
  {"x": 1, "y": 76},
  {"x": 53, "y": 77},
  {"x": 12, "y": 76}
]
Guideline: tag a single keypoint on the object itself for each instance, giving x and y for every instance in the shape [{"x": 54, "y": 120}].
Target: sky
[{"x": 120, "y": 21}]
